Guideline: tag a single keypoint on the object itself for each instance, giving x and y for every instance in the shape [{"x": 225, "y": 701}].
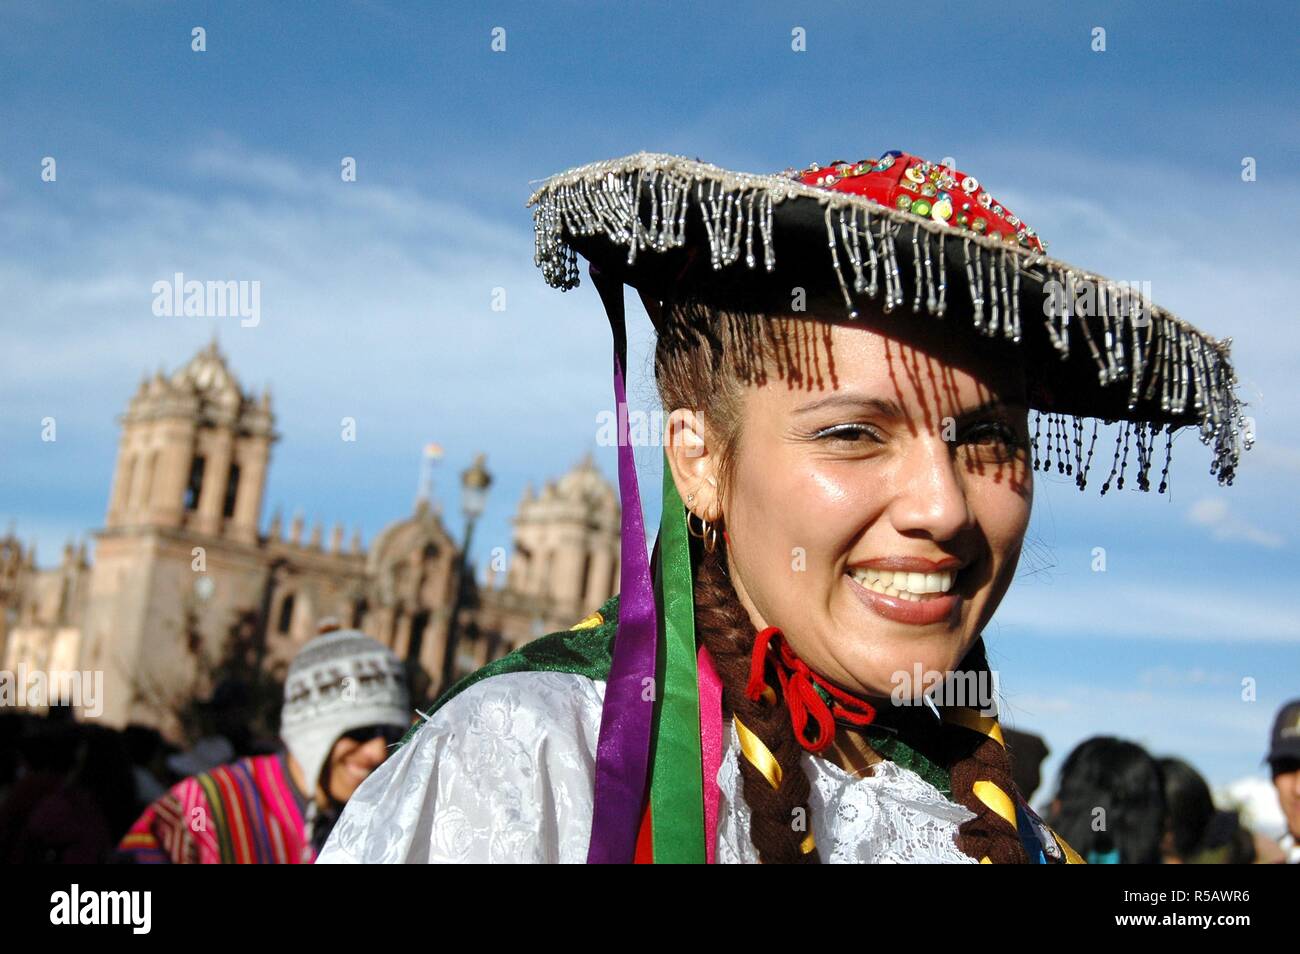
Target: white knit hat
[{"x": 338, "y": 682}]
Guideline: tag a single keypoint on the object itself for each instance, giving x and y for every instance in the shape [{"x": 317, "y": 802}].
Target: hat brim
[{"x": 676, "y": 228}]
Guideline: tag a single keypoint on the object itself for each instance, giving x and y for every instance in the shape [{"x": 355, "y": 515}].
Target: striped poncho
[{"x": 248, "y": 812}]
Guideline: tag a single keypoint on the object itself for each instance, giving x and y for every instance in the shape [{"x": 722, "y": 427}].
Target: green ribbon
[{"x": 676, "y": 781}]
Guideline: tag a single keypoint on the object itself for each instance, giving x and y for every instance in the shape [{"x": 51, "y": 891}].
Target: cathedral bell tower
[
  {"x": 193, "y": 453},
  {"x": 180, "y": 551},
  {"x": 566, "y": 553}
]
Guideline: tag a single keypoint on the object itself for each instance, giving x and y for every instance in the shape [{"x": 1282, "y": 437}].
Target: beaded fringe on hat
[{"x": 1157, "y": 352}]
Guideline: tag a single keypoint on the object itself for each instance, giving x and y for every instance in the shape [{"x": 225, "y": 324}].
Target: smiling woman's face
[{"x": 850, "y": 509}]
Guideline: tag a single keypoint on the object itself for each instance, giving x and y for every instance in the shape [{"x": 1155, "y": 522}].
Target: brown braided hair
[
  {"x": 724, "y": 625},
  {"x": 704, "y": 358},
  {"x": 973, "y": 758}
]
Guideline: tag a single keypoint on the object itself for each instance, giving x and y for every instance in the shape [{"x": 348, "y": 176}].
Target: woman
[
  {"x": 345, "y": 703},
  {"x": 847, "y": 485},
  {"x": 1111, "y": 802},
  {"x": 1195, "y": 832}
]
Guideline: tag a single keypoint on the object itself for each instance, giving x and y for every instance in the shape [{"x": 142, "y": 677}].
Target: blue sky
[{"x": 376, "y": 295}]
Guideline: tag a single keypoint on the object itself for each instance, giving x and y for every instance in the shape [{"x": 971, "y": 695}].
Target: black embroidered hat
[{"x": 926, "y": 243}]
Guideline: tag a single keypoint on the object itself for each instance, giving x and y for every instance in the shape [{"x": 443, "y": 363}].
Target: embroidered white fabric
[
  {"x": 504, "y": 772},
  {"x": 890, "y": 817}
]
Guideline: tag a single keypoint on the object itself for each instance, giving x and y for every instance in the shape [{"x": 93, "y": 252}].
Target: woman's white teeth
[{"x": 908, "y": 586}]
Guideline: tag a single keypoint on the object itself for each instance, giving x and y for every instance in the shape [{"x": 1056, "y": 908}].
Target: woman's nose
[
  {"x": 931, "y": 495},
  {"x": 375, "y": 751}
]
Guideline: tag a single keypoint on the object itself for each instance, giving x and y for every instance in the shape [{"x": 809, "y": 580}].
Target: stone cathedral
[{"x": 183, "y": 555}]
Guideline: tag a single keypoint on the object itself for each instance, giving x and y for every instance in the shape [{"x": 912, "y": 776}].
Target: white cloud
[
  {"x": 376, "y": 302},
  {"x": 1256, "y": 799},
  {"x": 1215, "y": 514},
  {"x": 1170, "y": 677}
]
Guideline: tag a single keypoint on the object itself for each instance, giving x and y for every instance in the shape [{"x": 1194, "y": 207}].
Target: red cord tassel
[{"x": 798, "y": 686}]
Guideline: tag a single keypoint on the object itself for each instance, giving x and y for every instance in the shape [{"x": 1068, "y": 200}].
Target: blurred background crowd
[{"x": 78, "y": 792}]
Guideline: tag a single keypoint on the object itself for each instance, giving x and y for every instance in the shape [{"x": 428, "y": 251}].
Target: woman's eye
[
  {"x": 991, "y": 431},
  {"x": 993, "y": 435},
  {"x": 850, "y": 433}
]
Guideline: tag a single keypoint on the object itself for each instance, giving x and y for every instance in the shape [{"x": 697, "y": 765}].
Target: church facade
[{"x": 182, "y": 558}]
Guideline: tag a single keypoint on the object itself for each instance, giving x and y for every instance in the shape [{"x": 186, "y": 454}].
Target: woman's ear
[{"x": 693, "y": 463}]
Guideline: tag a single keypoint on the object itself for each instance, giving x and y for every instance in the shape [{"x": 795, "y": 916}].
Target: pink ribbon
[{"x": 711, "y": 747}]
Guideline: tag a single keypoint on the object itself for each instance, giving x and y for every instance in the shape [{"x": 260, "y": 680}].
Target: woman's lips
[{"x": 932, "y": 609}]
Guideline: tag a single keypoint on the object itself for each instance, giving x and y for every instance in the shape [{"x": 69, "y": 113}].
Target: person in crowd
[
  {"x": 47, "y": 755},
  {"x": 1196, "y": 832},
  {"x": 1027, "y": 753},
  {"x": 1110, "y": 803},
  {"x": 345, "y": 704},
  {"x": 147, "y": 750},
  {"x": 204, "y": 755},
  {"x": 84, "y": 803},
  {"x": 1189, "y": 810},
  {"x": 1284, "y": 761},
  {"x": 11, "y": 731}
]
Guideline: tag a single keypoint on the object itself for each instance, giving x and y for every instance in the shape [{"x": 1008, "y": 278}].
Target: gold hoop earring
[
  {"x": 711, "y": 540},
  {"x": 708, "y": 532}
]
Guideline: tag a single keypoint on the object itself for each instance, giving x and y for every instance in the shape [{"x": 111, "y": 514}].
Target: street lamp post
[{"x": 474, "y": 483}]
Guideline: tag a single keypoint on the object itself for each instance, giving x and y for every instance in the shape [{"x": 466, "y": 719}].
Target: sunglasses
[{"x": 392, "y": 734}]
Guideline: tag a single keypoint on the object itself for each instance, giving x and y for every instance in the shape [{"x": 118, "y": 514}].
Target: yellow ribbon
[
  {"x": 758, "y": 754},
  {"x": 1071, "y": 856},
  {"x": 996, "y": 799},
  {"x": 588, "y": 622},
  {"x": 761, "y": 757},
  {"x": 987, "y": 792},
  {"x": 971, "y": 719}
]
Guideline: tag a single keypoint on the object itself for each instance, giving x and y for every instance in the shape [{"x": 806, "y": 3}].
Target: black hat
[
  {"x": 931, "y": 247},
  {"x": 1286, "y": 734}
]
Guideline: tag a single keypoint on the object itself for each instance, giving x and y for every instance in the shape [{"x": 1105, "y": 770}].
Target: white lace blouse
[{"x": 504, "y": 772}]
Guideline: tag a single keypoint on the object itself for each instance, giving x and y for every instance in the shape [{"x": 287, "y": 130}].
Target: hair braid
[
  {"x": 728, "y": 632},
  {"x": 982, "y": 758},
  {"x": 704, "y": 358}
]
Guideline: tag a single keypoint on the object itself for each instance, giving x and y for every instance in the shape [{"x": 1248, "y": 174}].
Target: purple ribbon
[{"x": 623, "y": 749}]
